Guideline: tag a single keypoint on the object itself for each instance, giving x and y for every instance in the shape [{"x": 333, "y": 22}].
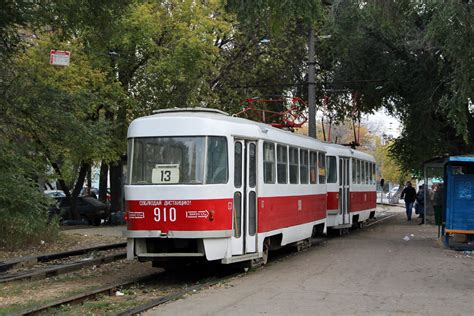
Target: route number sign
[{"x": 165, "y": 174}]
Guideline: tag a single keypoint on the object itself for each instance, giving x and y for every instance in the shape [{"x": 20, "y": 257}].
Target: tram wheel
[{"x": 266, "y": 250}]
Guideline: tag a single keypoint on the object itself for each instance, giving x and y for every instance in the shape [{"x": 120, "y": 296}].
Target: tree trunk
[
  {"x": 77, "y": 189},
  {"x": 322, "y": 127},
  {"x": 62, "y": 184},
  {"x": 104, "y": 175},
  {"x": 116, "y": 186},
  {"x": 89, "y": 180}
]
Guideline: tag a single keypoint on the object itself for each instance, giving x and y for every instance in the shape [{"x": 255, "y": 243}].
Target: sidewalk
[{"x": 394, "y": 267}]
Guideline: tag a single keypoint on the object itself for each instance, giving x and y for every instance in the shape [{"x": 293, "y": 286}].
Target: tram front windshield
[{"x": 178, "y": 160}]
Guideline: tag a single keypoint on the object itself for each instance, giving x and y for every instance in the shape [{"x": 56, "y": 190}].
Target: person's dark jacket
[
  {"x": 409, "y": 194},
  {"x": 420, "y": 197}
]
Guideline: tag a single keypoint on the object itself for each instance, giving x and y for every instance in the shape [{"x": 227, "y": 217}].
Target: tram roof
[
  {"x": 223, "y": 123},
  {"x": 213, "y": 122},
  {"x": 342, "y": 150}
]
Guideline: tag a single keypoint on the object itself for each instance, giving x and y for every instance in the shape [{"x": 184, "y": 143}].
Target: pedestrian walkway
[{"x": 394, "y": 267}]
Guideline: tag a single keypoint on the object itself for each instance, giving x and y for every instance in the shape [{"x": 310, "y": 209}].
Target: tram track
[
  {"x": 174, "y": 296},
  {"x": 33, "y": 267},
  {"x": 110, "y": 289}
]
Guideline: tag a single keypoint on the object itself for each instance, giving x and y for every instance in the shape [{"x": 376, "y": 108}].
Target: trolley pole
[{"x": 311, "y": 86}]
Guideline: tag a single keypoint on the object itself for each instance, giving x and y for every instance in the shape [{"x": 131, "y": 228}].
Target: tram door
[
  {"x": 244, "y": 238},
  {"x": 344, "y": 190}
]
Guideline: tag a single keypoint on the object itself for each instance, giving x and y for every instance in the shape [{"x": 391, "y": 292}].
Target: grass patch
[
  {"x": 103, "y": 305},
  {"x": 20, "y": 230},
  {"x": 17, "y": 308}
]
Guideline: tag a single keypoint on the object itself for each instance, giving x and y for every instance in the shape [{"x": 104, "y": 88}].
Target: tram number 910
[{"x": 164, "y": 214}]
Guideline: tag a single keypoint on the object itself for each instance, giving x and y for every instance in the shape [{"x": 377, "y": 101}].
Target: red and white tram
[
  {"x": 351, "y": 187},
  {"x": 202, "y": 184}
]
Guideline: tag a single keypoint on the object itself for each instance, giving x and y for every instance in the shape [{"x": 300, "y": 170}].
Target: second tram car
[
  {"x": 205, "y": 185},
  {"x": 351, "y": 185}
]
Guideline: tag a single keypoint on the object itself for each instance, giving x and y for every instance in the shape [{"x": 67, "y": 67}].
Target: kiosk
[{"x": 459, "y": 197}]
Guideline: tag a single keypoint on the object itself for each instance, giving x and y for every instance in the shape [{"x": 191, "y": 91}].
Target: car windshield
[{"x": 178, "y": 160}]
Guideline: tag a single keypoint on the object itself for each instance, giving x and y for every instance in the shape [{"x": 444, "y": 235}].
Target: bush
[
  {"x": 23, "y": 230},
  {"x": 23, "y": 206}
]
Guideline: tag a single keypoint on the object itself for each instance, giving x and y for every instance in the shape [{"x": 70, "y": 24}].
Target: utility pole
[{"x": 311, "y": 86}]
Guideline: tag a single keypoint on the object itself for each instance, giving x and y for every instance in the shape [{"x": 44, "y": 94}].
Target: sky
[{"x": 381, "y": 123}]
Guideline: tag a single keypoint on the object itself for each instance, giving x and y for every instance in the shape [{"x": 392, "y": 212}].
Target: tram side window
[
  {"x": 238, "y": 165},
  {"x": 362, "y": 172},
  {"x": 370, "y": 172},
  {"x": 367, "y": 172},
  {"x": 282, "y": 163},
  {"x": 332, "y": 169},
  {"x": 268, "y": 162},
  {"x": 294, "y": 165},
  {"x": 237, "y": 214},
  {"x": 303, "y": 166},
  {"x": 354, "y": 171},
  {"x": 373, "y": 174},
  {"x": 313, "y": 167},
  {"x": 358, "y": 171},
  {"x": 252, "y": 165},
  {"x": 322, "y": 167},
  {"x": 217, "y": 171}
]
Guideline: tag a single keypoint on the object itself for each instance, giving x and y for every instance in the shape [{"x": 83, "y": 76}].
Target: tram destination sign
[{"x": 59, "y": 57}]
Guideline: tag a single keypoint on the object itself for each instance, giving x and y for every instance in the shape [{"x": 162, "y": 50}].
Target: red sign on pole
[{"x": 59, "y": 57}]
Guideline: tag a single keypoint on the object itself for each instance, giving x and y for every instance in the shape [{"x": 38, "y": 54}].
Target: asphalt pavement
[{"x": 392, "y": 268}]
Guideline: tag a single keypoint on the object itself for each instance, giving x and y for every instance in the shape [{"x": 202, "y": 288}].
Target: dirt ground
[
  {"x": 71, "y": 238},
  {"x": 394, "y": 267}
]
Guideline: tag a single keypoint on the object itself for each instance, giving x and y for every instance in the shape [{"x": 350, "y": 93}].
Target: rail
[{"x": 53, "y": 270}]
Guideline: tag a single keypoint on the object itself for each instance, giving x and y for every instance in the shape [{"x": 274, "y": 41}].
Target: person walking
[
  {"x": 409, "y": 196},
  {"x": 420, "y": 203}
]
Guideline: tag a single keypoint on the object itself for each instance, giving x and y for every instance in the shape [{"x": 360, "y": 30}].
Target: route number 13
[{"x": 165, "y": 176}]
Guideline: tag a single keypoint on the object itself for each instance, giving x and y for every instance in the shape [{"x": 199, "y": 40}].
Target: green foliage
[
  {"x": 389, "y": 168},
  {"x": 256, "y": 68},
  {"x": 27, "y": 229},
  {"x": 178, "y": 53},
  {"x": 414, "y": 58},
  {"x": 23, "y": 208},
  {"x": 58, "y": 110},
  {"x": 18, "y": 189},
  {"x": 273, "y": 14},
  {"x": 13, "y": 14}
]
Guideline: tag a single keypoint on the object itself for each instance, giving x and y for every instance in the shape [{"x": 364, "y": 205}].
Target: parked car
[
  {"x": 391, "y": 192},
  {"x": 55, "y": 193},
  {"x": 90, "y": 210}
]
